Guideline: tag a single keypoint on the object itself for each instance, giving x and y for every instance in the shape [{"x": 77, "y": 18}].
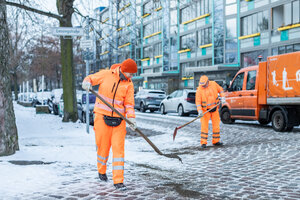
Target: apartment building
[{"x": 175, "y": 42}]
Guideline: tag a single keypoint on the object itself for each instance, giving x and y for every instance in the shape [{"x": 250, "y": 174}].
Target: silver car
[
  {"x": 147, "y": 99},
  {"x": 181, "y": 102}
]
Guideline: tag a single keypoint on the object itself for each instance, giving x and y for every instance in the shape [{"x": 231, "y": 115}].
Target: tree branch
[{"x": 48, "y": 14}]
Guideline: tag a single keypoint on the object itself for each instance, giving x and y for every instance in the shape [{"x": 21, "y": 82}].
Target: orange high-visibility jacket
[
  {"x": 207, "y": 98},
  {"x": 123, "y": 99}
]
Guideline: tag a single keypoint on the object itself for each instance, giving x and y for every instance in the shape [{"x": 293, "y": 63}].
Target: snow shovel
[
  {"x": 137, "y": 130},
  {"x": 175, "y": 131}
]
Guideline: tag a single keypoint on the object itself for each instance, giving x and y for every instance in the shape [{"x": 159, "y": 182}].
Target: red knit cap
[{"x": 129, "y": 66}]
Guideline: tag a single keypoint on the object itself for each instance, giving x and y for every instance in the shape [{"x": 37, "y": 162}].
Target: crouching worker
[
  {"x": 116, "y": 87},
  {"x": 207, "y": 96}
]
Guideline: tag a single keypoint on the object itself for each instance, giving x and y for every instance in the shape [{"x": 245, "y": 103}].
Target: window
[
  {"x": 203, "y": 7},
  {"x": 237, "y": 84},
  {"x": 204, "y": 62},
  {"x": 296, "y": 12},
  {"x": 254, "y": 23},
  {"x": 157, "y": 49},
  {"x": 285, "y": 49},
  {"x": 286, "y": 14},
  {"x": 157, "y": 26},
  {"x": 251, "y": 58},
  {"x": 187, "y": 14},
  {"x": 148, "y": 52},
  {"x": 251, "y": 79},
  {"x": 147, "y": 8},
  {"x": 187, "y": 41},
  {"x": 204, "y": 36},
  {"x": 231, "y": 28},
  {"x": 148, "y": 29}
]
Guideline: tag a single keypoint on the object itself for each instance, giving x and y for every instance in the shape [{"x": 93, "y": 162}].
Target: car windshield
[{"x": 92, "y": 98}]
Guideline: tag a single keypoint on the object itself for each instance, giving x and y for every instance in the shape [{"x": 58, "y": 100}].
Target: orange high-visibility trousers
[
  {"x": 106, "y": 137},
  {"x": 215, "y": 118}
]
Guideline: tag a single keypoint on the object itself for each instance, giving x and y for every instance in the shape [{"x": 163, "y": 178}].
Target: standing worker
[
  {"x": 116, "y": 87},
  {"x": 206, "y": 98}
]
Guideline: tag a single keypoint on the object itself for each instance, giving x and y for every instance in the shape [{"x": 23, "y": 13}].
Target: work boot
[
  {"x": 218, "y": 144},
  {"x": 103, "y": 177},
  {"x": 203, "y": 146},
  {"x": 120, "y": 186}
]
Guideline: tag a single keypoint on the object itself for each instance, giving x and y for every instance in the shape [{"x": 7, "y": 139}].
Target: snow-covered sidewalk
[{"x": 58, "y": 160}]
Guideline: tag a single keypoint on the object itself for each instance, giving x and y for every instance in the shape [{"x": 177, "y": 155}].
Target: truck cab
[{"x": 241, "y": 97}]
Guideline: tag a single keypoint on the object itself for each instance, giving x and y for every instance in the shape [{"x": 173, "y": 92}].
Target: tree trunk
[
  {"x": 16, "y": 87},
  {"x": 8, "y": 130},
  {"x": 65, "y": 8}
]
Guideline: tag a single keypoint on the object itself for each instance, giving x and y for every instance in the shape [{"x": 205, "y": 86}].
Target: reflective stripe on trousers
[
  {"x": 215, "y": 118},
  {"x": 107, "y": 137}
]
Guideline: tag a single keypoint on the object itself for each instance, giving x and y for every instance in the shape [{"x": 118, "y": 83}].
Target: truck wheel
[
  {"x": 263, "y": 121},
  {"x": 225, "y": 116},
  {"x": 278, "y": 121}
]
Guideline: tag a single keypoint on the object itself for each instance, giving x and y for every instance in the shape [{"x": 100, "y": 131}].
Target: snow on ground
[{"x": 46, "y": 139}]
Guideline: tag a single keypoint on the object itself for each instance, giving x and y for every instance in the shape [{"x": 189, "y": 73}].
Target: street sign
[
  {"x": 86, "y": 44},
  {"x": 67, "y": 31}
]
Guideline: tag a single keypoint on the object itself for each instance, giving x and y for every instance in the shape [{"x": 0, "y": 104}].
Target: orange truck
[{"x": 269, "y": 92}]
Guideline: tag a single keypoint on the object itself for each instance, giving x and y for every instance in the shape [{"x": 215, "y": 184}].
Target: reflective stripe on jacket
[
  {"x": 122, "y": 99},
  {"x": 207, "y": 98}
]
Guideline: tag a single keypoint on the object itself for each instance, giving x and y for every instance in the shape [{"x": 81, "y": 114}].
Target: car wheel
[
  {"x": 142, "y": 106},
  {"x": 162, "y": 109},
  {"x": 278, "y": 121},
  {"x": 55, "y": 110},
  {"x": 226, "y": 117},
  {"x": 180, "y": 110}
]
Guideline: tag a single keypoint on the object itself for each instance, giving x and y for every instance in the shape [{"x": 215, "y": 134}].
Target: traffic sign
[
  {"x": 67, "y": 31},
  {"x": 86, "y": 44}
]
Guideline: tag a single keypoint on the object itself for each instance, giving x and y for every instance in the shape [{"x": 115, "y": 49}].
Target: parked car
[
  {"x": 41, "y": 97},
  {"x": 81, "y": 106},
  {"x": 55, "y": 98},
  {"x": 180, "y": 101},
  {"x": 148, "y": 100},
  {"x": 61, "y": 102},
  {"x": 61, "y": 106}
]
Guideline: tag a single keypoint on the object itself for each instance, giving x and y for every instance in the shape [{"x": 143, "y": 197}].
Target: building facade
[{"x": 175, "y": 42}]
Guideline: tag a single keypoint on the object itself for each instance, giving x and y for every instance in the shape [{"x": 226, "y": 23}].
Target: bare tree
[
  {"x": 45, "y": 60},
  {"x": 8, "y": 130},
  {"x": 65, "y": 10}
]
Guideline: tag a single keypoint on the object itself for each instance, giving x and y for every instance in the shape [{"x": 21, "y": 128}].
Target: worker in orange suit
[
  {"x": 116, "y": 87},
  {"x": 207, "y": 96}
]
